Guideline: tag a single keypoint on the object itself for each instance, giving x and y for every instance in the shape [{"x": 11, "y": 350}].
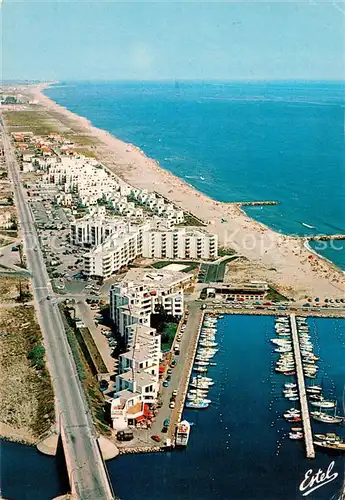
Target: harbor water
[
  {"x": 238, "y": 447},
  {"x": 233, "y": 141}
]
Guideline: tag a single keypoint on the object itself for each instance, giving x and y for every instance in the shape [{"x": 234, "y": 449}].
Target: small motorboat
[
  {"x": 197, "y": 405},
  {"x": 323, "y": 403},
  {"x": 296, "y": 435}
]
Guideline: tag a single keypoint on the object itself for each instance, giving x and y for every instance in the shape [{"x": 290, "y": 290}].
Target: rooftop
[{"x": 154, "y": 278}]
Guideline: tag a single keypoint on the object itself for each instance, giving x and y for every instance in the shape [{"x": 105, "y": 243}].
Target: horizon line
[{"x": 168, "y": 80}]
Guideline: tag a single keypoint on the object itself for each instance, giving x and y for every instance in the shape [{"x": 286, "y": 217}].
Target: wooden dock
[{"x": 308, "y": 435}]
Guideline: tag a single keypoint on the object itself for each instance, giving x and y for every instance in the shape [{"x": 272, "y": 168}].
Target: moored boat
[
  {"x": 196, "y": 405},
  {"x": 182, "y": 433}
]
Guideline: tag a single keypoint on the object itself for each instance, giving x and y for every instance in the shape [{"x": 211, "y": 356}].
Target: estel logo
[{"x": 312, "y": 482}]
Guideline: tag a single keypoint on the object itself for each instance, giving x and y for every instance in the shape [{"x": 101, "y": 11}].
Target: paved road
[{"x": 86, "y": 469}]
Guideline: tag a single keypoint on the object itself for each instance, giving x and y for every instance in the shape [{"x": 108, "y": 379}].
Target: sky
[{"x": 111, "y": 40}]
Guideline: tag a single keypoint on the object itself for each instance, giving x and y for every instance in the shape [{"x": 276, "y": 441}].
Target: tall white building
[
  {"x": 94, "y": 229},
  {"x": 137, "y": 296},
  {"x": 179, "y": 243},
  {"x": 113, "y": 243}
]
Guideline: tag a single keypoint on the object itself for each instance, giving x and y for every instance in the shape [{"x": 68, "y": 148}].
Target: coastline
[
  {"x": 8, "y": 433},
  {"x": 281, "y": 258},
  {"x": 320, "y": 256}
]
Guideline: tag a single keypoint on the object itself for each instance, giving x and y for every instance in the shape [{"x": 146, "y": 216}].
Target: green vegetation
[
  {"x": 190, "y": 266},
  {"x": 72, "y": 340},
  {"x": 160, "y": 264},
  {"x": 9, "y": 232},
  {"x": 38, "y": 122},
  {"x": 81, "y": 140},
  {"x": 226, "y": 251},
  {"x": 191, "y": 220},
  {"x": 168, "y": 335},
  {"x": 36, "y": 355},
  {"x": 25, "y": 381},
  {"x": 86, "y": 370},
  {"x": 166, "y": 325},
  {"x": 92, "y": 350},
  {"x": 86, "y": 152},
  {"x": 275, "y": 296}
]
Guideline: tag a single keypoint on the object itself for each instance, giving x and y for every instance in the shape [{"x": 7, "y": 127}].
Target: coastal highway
[{"x": 86, "y": 469}]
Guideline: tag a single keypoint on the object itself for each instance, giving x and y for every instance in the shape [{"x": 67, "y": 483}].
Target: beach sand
[{"x": 282, "y": 260}]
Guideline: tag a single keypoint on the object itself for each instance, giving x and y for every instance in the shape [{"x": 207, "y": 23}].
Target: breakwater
[
  {"x": 256, "y": 203},
  {"x": 325, "y": 237}
]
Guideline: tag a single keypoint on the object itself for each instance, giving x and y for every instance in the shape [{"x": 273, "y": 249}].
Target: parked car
[
  {"x": 156, "y": 438},
  {"x": 165, "y": 384},
  {"x": 172, "y": 404},
  {"x": 174, "y": 393}
]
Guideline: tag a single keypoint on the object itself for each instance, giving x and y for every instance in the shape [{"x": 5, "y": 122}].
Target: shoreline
[
  {"x": 281, "y": 259},
  {"x": 320, "y": 256},
  {"x": 20, "y": 436}
]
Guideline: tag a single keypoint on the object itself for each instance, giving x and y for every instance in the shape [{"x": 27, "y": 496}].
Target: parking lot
[{"x": 63, "y": 260}]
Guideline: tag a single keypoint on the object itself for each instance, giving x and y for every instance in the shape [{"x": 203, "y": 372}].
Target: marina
[{"x": 247, "y": 407}]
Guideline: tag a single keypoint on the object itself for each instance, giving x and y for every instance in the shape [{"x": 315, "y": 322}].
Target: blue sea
[
  {"x": 281, "y": 141},
  {"x": 238, "y": 448}
]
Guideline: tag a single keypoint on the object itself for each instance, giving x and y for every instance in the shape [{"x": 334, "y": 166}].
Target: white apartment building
[
  {"x": 95, "y": 228},
  {"x": 179, "y": 243},
  {"x": 137, "y": 384},
  {"x": 84, "y": 176},
  {"x": 158, "y": 205},
  {"x": 136, "y": 297},
  {"x": 116, "y": 242},
  {"x": 120, "y": 248}
]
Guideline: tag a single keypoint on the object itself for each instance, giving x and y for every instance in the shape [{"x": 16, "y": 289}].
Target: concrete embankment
[
  {"x": 183, "y": 386},
  {"x": 308, "y": 435}
]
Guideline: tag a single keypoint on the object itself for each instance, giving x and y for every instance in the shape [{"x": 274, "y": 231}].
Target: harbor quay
[
  {"x": 308, "y": 435},
  {"x": 329, "y": 313},
  {"x": 195, "y": 318}
]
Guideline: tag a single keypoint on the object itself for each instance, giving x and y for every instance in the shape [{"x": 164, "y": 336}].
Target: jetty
[
  {"x": 308, "y": 435},
  {"x": 257, "y": 203},
  {"x": 325, "y": 237}
]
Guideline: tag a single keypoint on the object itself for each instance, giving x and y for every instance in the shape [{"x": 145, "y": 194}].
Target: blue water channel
[{"x": 238, "y": 447}]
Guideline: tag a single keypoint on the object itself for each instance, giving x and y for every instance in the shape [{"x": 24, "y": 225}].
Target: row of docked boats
[
  {"x": 308, "y": 356},
  {"x": 319, "y": 404},
  {"x": 286, "y": 365},
  {"x": 197, "y": 396},
  {"x": 283, "y": 346},
  {"x": 321, "y": 407}
]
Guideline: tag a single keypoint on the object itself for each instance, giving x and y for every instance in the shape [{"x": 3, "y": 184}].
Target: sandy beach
[{"x": 282, "y": 260}]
